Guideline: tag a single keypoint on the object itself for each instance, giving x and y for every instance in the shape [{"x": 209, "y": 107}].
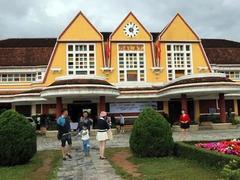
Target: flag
[
  {"x": 158, "y": 52},
  {"x": 108, "y": 52}
]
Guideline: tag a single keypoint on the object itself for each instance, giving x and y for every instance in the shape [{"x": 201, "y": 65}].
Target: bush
[
  {"x": 232, "y": 170},
  {"x": 203, "y": 156},
  {"x": 236, "y": 120},
  {"x": 151, "y": 135},
  {"x": 17, "y": 137}
]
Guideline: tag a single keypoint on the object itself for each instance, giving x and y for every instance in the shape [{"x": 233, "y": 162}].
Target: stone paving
[
  {"x": 121, "y": 140},
  {"x": 91, "y": 168},
  {"x": 86, "y": 168}
]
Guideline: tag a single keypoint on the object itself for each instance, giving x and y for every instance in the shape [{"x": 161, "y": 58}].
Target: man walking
[{"x": 64, "y": 134}]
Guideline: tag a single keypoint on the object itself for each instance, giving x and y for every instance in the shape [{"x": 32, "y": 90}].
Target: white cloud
[{"x": 47, "y": 18}]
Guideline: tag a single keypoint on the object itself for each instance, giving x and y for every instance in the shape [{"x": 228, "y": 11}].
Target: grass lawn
[
  {"x": 42, "y": 166},
  {"x": 159, "y": 168}
]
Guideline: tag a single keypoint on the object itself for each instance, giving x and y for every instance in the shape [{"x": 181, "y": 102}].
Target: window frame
[
  {"x": 74, "y": 52},
  {"x": 138, "y": 63},
  {"x": 10, "y": 77},
  {"x": 172, "y": 52}
]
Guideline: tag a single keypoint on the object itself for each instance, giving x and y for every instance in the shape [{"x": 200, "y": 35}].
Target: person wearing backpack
[{"x": 64, "y": 134}]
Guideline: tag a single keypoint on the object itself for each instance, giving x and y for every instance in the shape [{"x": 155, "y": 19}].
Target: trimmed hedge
[
  {"x": 17, "y": 139},
  {"x": 203, "y": 156},
  {"x": 232, "y": 170},
  {"x": 151, "y": 135}
]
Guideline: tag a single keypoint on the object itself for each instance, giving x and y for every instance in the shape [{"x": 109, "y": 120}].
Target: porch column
[
  {"x": 33, "y": 109},
  {"x": 165, "y": 107},
  {"x": 235, "y": 107},
  {"x": 58, "y": 106},
  {"x": 221, "y": 104},
  {"x": 184, "y": 102},
  {"x": 196, "y": 110},
  {"x": 101, "y": 104},
  {"x": 13, "y": 107}
]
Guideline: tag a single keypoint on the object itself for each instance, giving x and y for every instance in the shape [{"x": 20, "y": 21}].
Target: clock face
[{"x": 131, "y": 29}]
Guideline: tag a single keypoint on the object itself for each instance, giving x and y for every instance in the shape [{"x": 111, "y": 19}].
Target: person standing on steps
[
  {"x": 122, "y": 123},
  {"x": 64, "y": 134},
  {"x": 102, "y": 135},
  {"x": 184, "y": 123}
]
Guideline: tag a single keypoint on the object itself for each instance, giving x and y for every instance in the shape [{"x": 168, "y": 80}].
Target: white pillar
[
  {"x": 33, "y": 111},
  {"x": 13, "y": 107}
]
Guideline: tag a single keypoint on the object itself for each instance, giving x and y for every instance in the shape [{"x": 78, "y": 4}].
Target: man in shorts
[{"x": 64, "y": 134}]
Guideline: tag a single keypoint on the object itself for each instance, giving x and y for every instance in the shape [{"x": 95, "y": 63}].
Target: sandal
[{"x": 69, "y": 155}]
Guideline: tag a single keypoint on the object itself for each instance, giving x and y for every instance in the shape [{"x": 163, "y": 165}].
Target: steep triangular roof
[
  {"x": 80, "y": 28},
  {"x": 183, "y": 30},
  {"x": 119, "y": 34}
]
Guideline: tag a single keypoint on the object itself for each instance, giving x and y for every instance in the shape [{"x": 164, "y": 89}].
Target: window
[
  {"x": 21, "y": 77},
  {"x": 179, "y": 61},
  {"x": 230, "y": 74},
  {"x": 81, "y": 59},
  {"x": 131, "y": 63}
]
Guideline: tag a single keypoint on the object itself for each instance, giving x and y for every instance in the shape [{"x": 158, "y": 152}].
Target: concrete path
[
  {"x": 86, "y": 168},
  {"x": 122, "y": 140}
]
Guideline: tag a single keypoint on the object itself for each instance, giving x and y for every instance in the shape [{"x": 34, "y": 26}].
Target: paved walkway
[
  {"x": 122, "y": 140},
  {"x": 91, "y": 168},
  {"x": 86, "y": 168}
]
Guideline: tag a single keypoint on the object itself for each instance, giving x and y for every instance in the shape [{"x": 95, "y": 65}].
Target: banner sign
[
  {"x": 131, "y": 47},
  {"x": 131, "y": 107}
]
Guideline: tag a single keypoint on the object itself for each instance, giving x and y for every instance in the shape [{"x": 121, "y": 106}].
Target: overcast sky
[{"x": 48, "y": 18}]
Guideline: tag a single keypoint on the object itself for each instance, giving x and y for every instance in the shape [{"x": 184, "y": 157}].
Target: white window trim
[
  {"x": 74, "y": 53},
  {"x": 138, "y": 69},
  {"x": 25, "y": 77},
  {"x": 172, "y": 59},
  {"x": 227, "y": 73}
]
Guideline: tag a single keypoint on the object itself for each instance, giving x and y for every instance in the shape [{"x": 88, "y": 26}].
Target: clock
[{"x": 131, "y": 29}]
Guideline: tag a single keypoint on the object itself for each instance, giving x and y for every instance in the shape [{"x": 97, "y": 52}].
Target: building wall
[{"x": 81, "y": 30}]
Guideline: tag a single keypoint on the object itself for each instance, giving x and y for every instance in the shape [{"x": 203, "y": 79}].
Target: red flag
[
  {"x": 158, "y": 52},
  {"x": 108, "y": 52}
]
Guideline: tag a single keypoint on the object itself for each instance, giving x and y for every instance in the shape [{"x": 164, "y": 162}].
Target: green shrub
[
  {"x": 203, "y": 156},
  {"x": 232, "y": 170},
  {"x": 17, "y": 139},
  {"x": 2, "y": 110},
  {"x": 236, "y": 120},
  {"x": 151, "y": 135}
]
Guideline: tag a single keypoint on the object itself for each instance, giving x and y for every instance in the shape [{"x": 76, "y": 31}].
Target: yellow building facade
[{"x": 121, "y": 71}]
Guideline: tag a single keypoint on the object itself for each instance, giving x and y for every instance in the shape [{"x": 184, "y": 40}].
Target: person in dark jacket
[
  {"x": 85, "y": 120},
  {"x": 64, "y": 134},
  {"x": 102, "y": 135}
]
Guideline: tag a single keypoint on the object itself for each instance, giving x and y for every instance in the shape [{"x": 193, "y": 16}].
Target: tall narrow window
[
  {"x": 81, "y": 59},
  {"x": 179, "y": 61},
  {"x": 131, "y": 62}
]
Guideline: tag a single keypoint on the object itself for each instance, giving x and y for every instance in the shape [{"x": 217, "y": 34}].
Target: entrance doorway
[
  {"x": 76, "y": 110},
  {"x": 175, "y": 110}
]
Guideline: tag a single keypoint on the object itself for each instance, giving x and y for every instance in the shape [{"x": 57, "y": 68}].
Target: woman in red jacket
[{"x": 184, "y": 121}]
